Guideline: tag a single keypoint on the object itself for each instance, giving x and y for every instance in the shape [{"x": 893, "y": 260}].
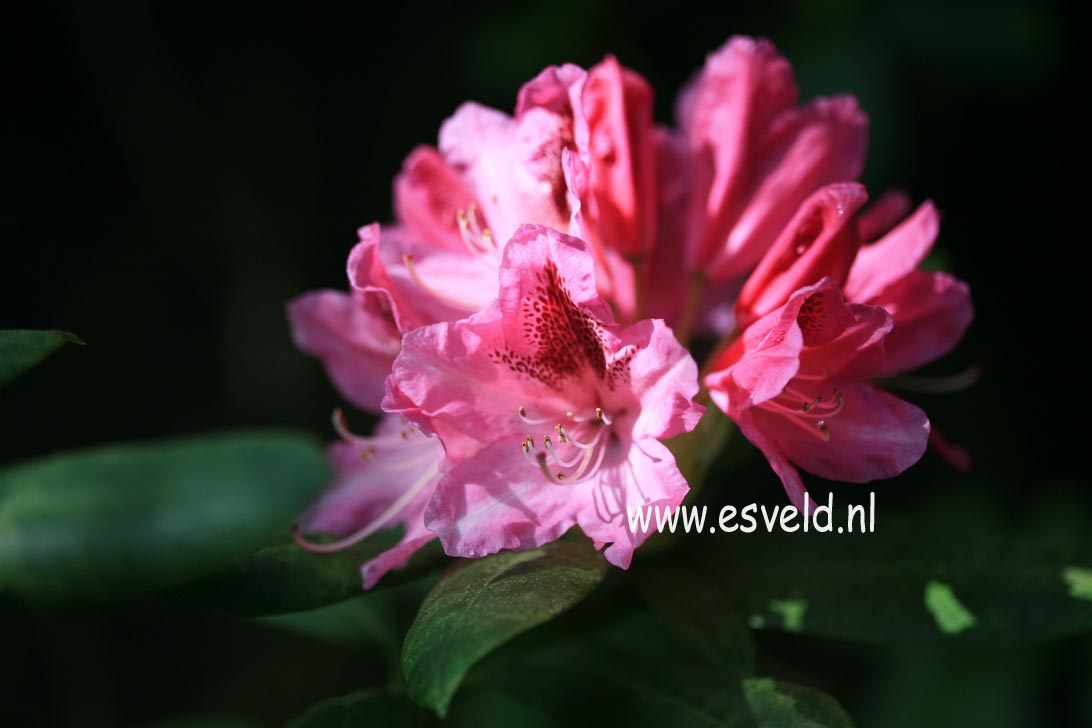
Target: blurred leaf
[
  {"x": 21, "y": 349},
  {"x": 285, "y": 578},
  {"x": 378, "y": 708},
  {"x": 482, "y": 706},
  {"x": 899, "y": 584},
  {"x": 701, "y": 618},
  {"x": 481, "y": 604},
  {"x": 634, "y": 673},
  {"x": 135, "y": 517},
  {"x": 205, "y": 720},
  {"x": 365, "y": 620},
  {"x": 774, "y": 704}
]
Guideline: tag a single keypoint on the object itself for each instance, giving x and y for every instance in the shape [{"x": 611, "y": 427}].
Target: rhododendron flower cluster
[{"x": 522, "y": 326}]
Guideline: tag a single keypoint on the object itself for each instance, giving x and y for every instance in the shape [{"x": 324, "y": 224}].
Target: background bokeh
[{"x": 176, "y": 174}]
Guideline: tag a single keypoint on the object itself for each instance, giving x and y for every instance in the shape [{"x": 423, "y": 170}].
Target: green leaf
[
  {"x": 137, "y": 517},
  {"x": 481, "y": 604},
  {"x": 775, "y": 704},
  {"x": 21, "y": 349},
  {"x": 285, "y": 578},
  {"x": 900, "y": 584},
  {"x": 376, "y": 708}
]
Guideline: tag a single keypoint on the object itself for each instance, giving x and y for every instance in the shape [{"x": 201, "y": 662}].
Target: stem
[{"x": 639, "y": 280}]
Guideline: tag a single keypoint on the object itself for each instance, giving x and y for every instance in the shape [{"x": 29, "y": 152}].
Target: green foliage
[
  {"x": 480, "y": 604},
  {"x": 21, "y": 349},
  {"x": 135, "y": 517},
  {"x": 901, "y": 584}
]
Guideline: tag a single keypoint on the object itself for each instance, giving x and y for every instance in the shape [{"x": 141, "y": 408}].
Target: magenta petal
[
  {"x": 875, "y": 436},
  {"x": 354, "y": 337},
  {"x": 894, "y": 256},
  {"x": 779, "y": 463},
  {"x": 932, "y": 311}
]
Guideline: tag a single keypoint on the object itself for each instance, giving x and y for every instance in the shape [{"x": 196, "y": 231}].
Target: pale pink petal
[
  {"x": 430, "y": 284},
  {"x": 355, "y": 337},
  {"x": 380, "y": 482},
  {"x": 932, "y": 311},
  {"x": 894, "y": 256},
  {"x": 498, "y": 500},
  {"x": 649, "y": 478},
  {"x": 513, "y": 168},
  {"x": 875, "y": 436},
  {"x": 666, "y": 376}
]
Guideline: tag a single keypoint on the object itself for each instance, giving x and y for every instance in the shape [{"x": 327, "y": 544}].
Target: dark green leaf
[
  {"x": 135, "y": 517},
  {"x": 634, "y": 673},
  {"x": 22, "y": 349},
  {"x": 899, "y": 584},
  {"x": 481, "y": 604},
  {"x": 776, "y": 704},
  {"x": 376, "y": 708},
  {"x": 284, "y": 578},
  {"x": 362, "y": 621}
]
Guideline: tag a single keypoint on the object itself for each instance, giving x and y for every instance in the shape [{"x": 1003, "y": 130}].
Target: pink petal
[
  {"x": 380, "y": 482},
  {"x": 429, "y": 283},
  {"x": 820, "y": 241},
  {"x": 875, "y": 436},
  {"x": 932, "y": 311},
  {"x": 497, "y": 500},
  {"x": 621, "y": 158},
  {"x": 428, "y": 194},
  {"x": 666, "y": 376},
  {"x": 513, "y": 166},
  {"x": 648, "y": 477},
  {"x": 894, "y": 256},
  {"x": 822, "y": 143},
  {"x": 880, "y": 216},
  {"x": 355, "y": 338},
  {"x": 779, "y": 463}
]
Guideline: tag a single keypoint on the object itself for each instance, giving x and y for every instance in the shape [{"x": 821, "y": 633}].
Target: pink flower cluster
[{"x": 519, "y": 325}]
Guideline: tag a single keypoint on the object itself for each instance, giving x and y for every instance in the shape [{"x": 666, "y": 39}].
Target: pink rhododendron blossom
[
  {"x": 757, "y": 155},
  {"x": 380, "y": 482},
  {"x": 798, "y": 384},
  {"x": 932, "y": 309},
  {"x": 353, "y": 335},
  {"x": 820, "y": 241},
  {"x": 553, "y": 411}
]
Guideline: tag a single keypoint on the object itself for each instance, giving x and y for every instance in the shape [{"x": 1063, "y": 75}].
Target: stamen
[
  {"x": 373, "y": 526},
  {"x": 407, "y": 259},
  {"x": 560, "y": 460},
  {"x": 583, "y": 445},
  {"x": 531, "y": 420}
]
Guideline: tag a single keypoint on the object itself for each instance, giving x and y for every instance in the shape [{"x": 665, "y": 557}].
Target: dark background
[{"x": 176, "y": 174}]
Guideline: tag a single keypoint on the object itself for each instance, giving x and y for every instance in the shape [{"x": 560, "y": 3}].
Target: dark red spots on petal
[{"x": 565, "y": 340}]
